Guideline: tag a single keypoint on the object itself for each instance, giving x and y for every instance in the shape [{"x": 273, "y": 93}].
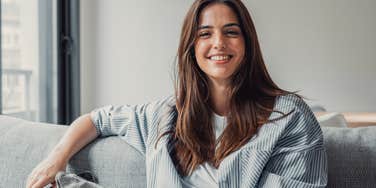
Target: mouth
[{"x": 220, "y": 59}]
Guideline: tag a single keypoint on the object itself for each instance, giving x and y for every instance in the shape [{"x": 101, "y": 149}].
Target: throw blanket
[{"x": 69, "y": 180}]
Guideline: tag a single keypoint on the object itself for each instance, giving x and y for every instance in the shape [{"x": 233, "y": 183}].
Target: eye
[
  {"x": 232, "y": 33},
  {"x": 204, "y": 34}
]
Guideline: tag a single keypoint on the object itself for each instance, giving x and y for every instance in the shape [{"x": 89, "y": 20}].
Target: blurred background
[{"x": 60, "y": 59}]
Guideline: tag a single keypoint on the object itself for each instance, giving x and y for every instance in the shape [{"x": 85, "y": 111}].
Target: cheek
[
  {"x": 240, "y": 49},
  {"x": 200, "y": 50},
  {"x": 199, "y": 55}
]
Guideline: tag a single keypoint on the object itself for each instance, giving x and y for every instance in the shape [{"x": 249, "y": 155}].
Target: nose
[{"x": 219, "y": 42}]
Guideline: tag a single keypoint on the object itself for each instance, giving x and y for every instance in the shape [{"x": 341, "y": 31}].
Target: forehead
[{"x": 217, "y": 14}]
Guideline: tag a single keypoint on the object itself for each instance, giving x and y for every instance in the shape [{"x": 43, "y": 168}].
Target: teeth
[{"x": 219, "y": 58}]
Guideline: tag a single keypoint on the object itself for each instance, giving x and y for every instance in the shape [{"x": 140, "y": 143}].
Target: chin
[{"x": 219, "y": 77}]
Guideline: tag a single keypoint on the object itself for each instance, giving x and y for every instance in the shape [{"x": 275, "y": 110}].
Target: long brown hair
[{"x": 252, "y": 97}]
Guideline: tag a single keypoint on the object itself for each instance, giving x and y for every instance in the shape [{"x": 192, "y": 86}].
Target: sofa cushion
[{"x": 351, "y": 156}]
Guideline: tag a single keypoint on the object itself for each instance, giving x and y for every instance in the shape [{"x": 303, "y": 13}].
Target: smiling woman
[
  {"x": 219, "y": 47},
  {"x": 228, "y": 124}
]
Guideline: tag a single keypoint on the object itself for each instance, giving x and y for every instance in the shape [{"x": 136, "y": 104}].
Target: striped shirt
[
  {"x": 205, "y": 175},
  {"x": 285, "y": 153}
]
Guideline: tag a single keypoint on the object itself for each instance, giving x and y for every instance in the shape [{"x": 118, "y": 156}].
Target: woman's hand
[
  {"x": 44, "y": 173},
  {"x": 81, "y": 132}
]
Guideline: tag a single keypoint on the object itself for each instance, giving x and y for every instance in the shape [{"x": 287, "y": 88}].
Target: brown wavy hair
[{"x": 252, "y": 97}]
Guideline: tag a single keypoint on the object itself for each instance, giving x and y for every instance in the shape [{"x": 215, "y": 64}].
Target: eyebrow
[{"x": 226, "y": 25}]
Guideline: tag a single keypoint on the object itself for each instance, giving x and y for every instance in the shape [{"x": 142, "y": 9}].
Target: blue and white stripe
[{"x": 285, "y": 153}]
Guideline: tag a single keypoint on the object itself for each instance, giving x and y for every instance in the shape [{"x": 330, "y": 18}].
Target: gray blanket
[{"x": 69, "y": 180}]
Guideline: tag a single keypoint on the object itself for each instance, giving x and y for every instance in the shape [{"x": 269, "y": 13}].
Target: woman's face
[{"x": 219, "y": 45}]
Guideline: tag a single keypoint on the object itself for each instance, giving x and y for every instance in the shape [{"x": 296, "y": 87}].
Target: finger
[
  {"x": 42, "y": 181},
  {"x": 33, "y": 177},
  {"x": 54, "y": 185}
]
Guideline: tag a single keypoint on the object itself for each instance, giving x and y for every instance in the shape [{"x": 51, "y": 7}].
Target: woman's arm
[
  {"x": 137, "y": 120},
  {"x": 299, "y": 157},
  {"x": 81, "y": 132}
]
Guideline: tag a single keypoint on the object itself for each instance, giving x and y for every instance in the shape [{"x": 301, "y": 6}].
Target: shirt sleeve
[
  {"x": 133, "y": 123},
  {"x": 299, "y": 158}
]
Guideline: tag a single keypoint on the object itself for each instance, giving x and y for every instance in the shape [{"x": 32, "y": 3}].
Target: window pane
[{"x": 28, "y": 59}]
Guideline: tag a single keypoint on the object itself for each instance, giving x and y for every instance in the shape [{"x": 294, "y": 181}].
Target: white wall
[
  {"x": 88, "y": 37},
  {"x": 324, "y": 48}
]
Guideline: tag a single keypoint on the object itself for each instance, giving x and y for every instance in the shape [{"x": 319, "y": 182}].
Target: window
[{"x": 36, "y": 47}]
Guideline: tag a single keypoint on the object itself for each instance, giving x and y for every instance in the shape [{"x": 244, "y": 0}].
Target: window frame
[{"x": 68, "y": 63}]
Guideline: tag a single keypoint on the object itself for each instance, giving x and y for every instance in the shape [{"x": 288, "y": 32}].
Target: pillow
[
  {"x": 317, "y": 108},
  {"x": 351, "y": 155},
  {"x": 333, "y": 119}
]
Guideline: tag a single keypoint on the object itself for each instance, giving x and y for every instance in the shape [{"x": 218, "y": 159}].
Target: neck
[{"x": 219, "y": 98}]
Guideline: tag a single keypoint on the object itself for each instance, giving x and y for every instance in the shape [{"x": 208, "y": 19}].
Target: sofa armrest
[{"x": 23, "y": 144}]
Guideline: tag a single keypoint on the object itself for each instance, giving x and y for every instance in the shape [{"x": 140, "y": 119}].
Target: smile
[{"x": 220, "y": 58}]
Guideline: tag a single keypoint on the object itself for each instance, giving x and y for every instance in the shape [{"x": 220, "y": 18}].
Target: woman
[{"x": 228, "y": 124}]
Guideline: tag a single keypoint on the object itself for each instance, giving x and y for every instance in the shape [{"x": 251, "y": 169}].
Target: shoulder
[
  {"x": 165, "y": 101},
  {"x": 289, "y": 102},
  {"x": 301, "y": 129},
  {"x": 162, "y": 106},
  {"x": 162, "y": 110},
  {"x": 297, "y": 109},
  {"x": 154, "y": 106},
  {"x": 294, "y": 106}
]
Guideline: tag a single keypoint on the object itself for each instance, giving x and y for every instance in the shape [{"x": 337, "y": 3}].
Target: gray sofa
[{"x": 23, "y": 144}]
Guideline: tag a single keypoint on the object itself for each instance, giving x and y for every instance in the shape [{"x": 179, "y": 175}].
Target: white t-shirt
[{"x": 205, "y": 175}]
